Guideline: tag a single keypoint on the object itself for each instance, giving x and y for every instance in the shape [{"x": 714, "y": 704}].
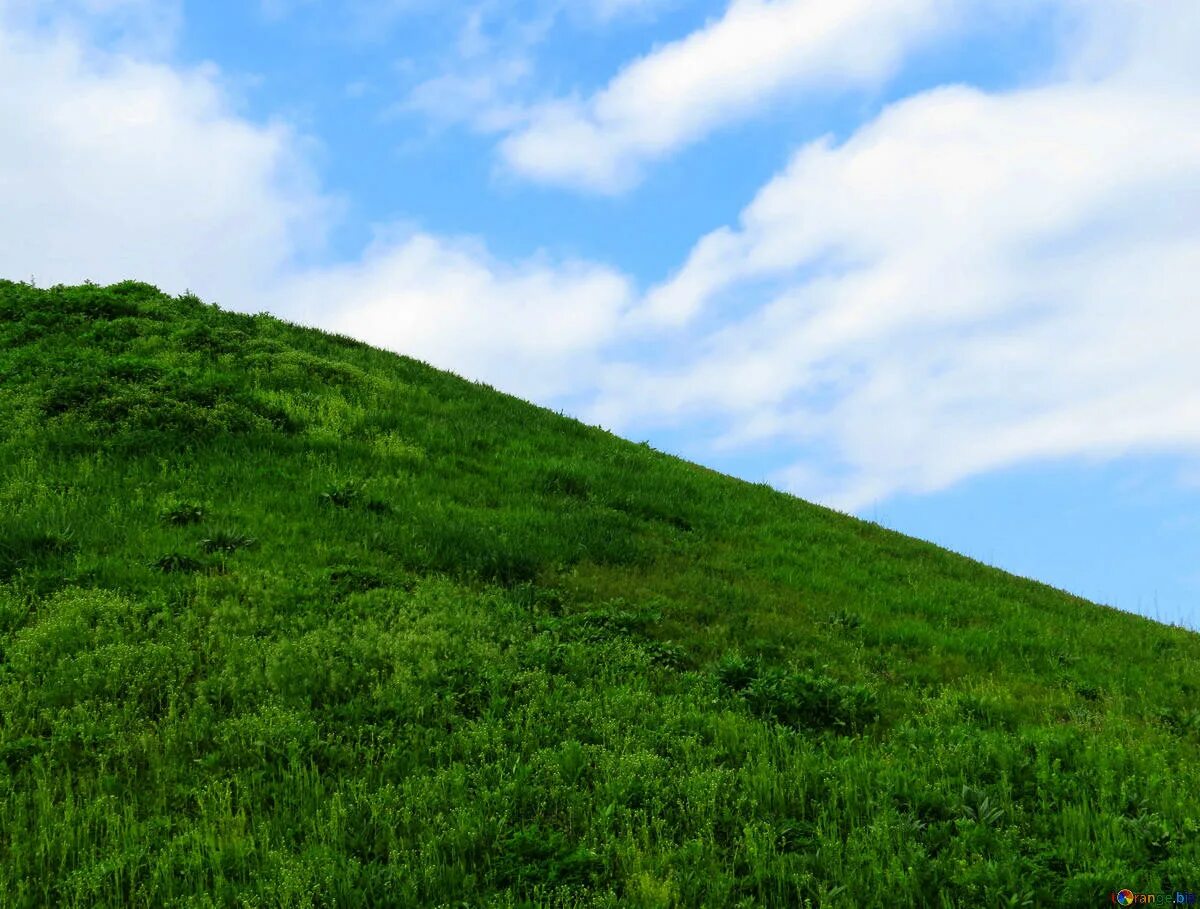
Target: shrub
[
  {"x": 667, "y": 654},
  {"x": 175, "y": 562},
  {"x": 612, "y": 621},
  {"x": 341, "y": 495},
  {"x": 976, "y": 807},
  {"x": 806, "y": 700},
  {"x": 736, "y": 672},
  {"x": 73, "y": 393},
  {"x": 182, "y": 513},
  {"x": 226, "y": 542}
]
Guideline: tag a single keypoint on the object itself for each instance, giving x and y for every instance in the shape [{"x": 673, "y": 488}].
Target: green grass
[{"x": 289, "y": 621}]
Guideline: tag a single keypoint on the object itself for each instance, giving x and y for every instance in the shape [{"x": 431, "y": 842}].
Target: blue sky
[{"x": 929, "y": 261}]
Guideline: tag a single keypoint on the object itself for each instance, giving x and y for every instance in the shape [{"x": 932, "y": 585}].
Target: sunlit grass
[{"x": 289, "y": 621}]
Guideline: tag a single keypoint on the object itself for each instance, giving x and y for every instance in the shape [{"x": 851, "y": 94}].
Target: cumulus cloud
[
  {"x": 680, "y": 92},
  {"x": 970, "y": 281},
  {"x": 533, "y": 328},
  {"x": 114, "y": 167}
]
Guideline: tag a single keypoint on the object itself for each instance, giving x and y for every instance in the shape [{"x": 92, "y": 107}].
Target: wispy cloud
[
  {"x": 478, "y": 94},
  {"x": 487, "y": 80},
  {"x": 140, "y": 27},
  {"x": 723, "y": 72},
  {"x": 606, "y": 10},
  {"x": 970, "y": 281}
]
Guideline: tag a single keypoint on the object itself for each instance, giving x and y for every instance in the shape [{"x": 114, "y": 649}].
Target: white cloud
[
  {"x": 480, "y": 81},
  {"x": 112, "y": 168},
  {"x": 723, "y": 72},
  {"x": 478, "y": 95},
  {"x": 485, "y": 81},
  {"x": 533, "y": 328},
  {"x": 969, "y": 282},
  {"x": 116, "y": 168}
]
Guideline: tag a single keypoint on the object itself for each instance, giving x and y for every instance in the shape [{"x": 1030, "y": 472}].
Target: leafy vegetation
[{"x": 289, "y": 621}]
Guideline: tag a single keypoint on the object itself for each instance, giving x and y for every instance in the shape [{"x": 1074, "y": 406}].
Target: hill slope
[{"x": 289, "y": 621}]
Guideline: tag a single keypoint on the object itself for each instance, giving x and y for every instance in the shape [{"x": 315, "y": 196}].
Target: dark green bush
[
  {"x": 341, "y": 495},
  {"x": 183, "y": 513},
  {"x": 667, "y": 654},
  {"x": 74, "y": 392},
  {"x": 175, "y": 562},
  {"x": 806, "y": 700},
  {"x": 226, "y": 541},
  {"x": 736, "y": 672},
  {"x": 614, "y": 619}
]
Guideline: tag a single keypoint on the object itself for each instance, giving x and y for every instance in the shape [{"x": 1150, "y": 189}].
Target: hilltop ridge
[{"x": 287, "y": 620}]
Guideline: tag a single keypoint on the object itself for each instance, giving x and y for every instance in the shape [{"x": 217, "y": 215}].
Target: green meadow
[{"x": 289, "y": 621}]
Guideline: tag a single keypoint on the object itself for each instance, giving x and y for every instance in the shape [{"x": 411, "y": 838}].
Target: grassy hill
[{"x": 286, "y": 620}]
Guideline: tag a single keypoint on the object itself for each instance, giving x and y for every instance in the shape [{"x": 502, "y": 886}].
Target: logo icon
[{"x": 1124, "y": 897}]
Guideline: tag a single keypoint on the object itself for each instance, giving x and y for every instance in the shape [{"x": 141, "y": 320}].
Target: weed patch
[
  {"x": 226, "y": 542},
  {"x": 341, "y": 495},
  {"x": 176, "y": 563},
  {"x": 181, "y": 514}
]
